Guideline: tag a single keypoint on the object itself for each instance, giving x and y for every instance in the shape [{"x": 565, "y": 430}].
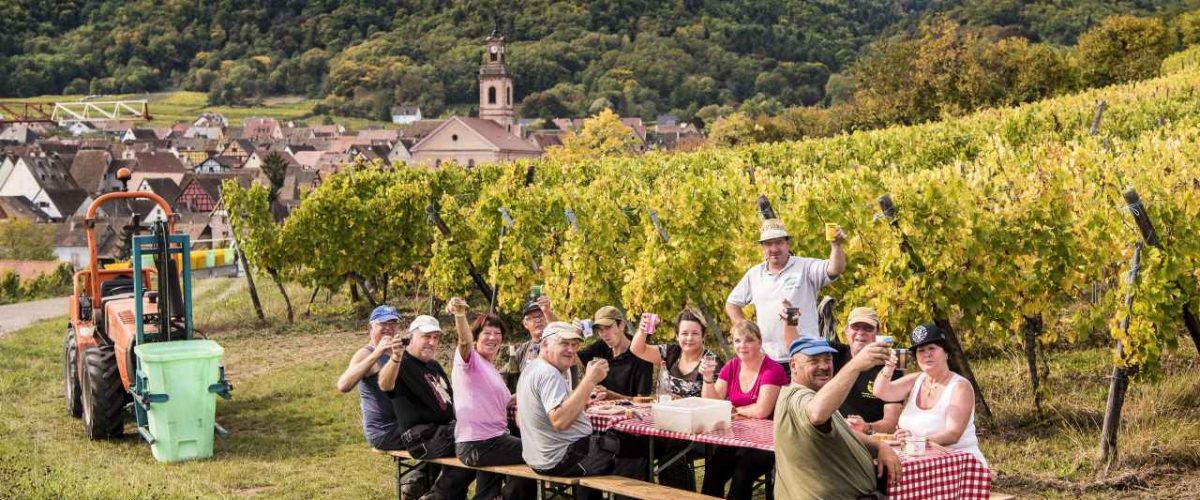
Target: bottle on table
[{"x": 663, "y": 391}]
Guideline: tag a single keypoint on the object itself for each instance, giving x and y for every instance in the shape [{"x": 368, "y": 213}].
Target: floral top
[{"x": 683, "y": 384}]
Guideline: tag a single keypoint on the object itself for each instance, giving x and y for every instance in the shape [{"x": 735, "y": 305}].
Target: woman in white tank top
[{"x": 939, "y": 403}]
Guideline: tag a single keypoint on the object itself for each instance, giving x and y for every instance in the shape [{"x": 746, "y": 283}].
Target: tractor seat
[{"x": 115, "y": 286}]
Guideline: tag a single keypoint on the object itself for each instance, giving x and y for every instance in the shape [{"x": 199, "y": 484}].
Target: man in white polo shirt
[{"x": 784, "y": 276}]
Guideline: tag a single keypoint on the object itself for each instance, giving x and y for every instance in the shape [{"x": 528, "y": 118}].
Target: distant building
[
  {"x": 20, "y": 208},
  {"x": 468, "y": 141},
  {"x": 94, "y": 171},
  {"x": 496, "y": 85},
  {"x": 261, "y": 129},
  {"x": 406, "y": 114},
  {"x": 45, "y": 180}
]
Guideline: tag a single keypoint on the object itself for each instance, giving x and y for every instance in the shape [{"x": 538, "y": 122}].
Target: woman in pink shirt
[
  {"x": 751, "y": 381},
  {"x": 481, "y": 404}
]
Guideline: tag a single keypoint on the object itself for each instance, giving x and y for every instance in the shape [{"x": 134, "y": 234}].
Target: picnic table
[
  {"x": 936, "y": 474},
  {"x": 599, "y": 413},
  {"x": 939, "y": 473}
]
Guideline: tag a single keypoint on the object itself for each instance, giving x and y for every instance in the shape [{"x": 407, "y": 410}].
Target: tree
[
  {"x": 602, "y": 135},
  {"x": 275, "y": 166},
  {"x": 794, "y": 84},
  {"x": 258, "y": 235},
  {"x": 1122, "y": 48},
  {"x": 732, "y": 130},
  {"x": 21, "y": 239},
  {"x": 365, "y": 223},
  {"x": 1188, "y": 27}
]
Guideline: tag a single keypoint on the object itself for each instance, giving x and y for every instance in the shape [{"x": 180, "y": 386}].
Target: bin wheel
[
  {"x": 71, "y": 374},
  {"x": 103, "y": 397}
]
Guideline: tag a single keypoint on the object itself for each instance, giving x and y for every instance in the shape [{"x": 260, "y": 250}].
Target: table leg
[
  {"x": 650, "y": 461},
  {"x": 664, "y": 464}
]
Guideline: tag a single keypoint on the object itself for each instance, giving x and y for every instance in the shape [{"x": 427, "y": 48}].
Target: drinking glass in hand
[{"x": 901, "y": 356}]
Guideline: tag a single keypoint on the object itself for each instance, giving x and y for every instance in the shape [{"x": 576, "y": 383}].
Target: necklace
[{"x": 932, "y": 385}]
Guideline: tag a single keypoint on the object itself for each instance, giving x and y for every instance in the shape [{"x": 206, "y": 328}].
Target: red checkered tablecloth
[
  {"x": 600, "y": 421},
  {"x": 745, "y": 433},
  {"x": 939, "y": 473}
]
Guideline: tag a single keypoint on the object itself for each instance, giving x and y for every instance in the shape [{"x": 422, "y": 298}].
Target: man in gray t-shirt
[
  {"x": 784, "y": 276},
  {"x": 556, "y": 435}
]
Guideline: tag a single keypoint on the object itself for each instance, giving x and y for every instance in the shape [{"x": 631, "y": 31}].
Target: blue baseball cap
[
  {"x": 810, "y": 346},
  {"x": 384, "y": 313}
]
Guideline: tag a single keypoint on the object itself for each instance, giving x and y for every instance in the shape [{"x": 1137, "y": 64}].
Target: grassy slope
[
  {"x": 295, "y": 436},
  {"x": 182, "y": 106}
]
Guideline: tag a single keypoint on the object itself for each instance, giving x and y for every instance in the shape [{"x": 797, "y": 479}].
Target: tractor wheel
[
  {"x": 103, "y": 396},
  {"x": 71, "y": 374}
]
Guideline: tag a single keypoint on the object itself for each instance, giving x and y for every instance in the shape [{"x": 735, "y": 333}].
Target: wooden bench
[
  {"x": 612, "y": 485},
  {"x": 561, "y": 488},
  {"x": 621, "y": 485}
]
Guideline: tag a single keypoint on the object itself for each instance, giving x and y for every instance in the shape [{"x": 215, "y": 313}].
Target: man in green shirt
[{"x": 817, "y": 454}]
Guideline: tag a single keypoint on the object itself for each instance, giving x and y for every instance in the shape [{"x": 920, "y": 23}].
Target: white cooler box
[{"x": 692, "y": 415}]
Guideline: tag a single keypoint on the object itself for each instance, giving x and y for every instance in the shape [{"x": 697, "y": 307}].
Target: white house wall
[{"x": 20, "y": 182}]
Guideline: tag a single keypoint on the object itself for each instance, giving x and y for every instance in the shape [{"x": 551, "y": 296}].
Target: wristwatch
[{"x": 870, "y": 428}]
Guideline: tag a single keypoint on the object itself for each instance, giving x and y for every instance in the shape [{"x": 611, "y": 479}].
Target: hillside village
[{"x": 51, "y": 172}]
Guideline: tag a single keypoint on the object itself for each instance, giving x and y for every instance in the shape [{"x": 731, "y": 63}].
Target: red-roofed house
[{"x": 261, "y": 129}]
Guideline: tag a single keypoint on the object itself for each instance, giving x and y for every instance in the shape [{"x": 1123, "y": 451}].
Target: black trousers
[
  {"x": 739, "y": 467},
  {"x": 429, "y": 441},
  {"x": 598, "y": 455},
  {"x": 500, "y": 450}
]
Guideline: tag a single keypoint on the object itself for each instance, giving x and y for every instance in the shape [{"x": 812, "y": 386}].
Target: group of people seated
[{"x": 826, "y": 399}]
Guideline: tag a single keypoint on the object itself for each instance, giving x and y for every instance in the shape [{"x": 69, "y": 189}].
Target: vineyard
[{"x": 1011, "y": 225}]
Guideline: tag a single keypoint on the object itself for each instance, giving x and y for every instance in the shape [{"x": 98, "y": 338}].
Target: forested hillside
[{"x": 640, "y": 57}]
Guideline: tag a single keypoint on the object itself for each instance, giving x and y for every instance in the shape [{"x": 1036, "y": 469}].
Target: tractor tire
[
  {"x": 103, "y": 395},
  {"x": 71, "y": 375}
]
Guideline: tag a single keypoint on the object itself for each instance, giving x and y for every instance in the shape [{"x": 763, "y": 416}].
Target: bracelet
[
  {"x": 870, "y": 429},
  {"x": 707, "y": 381}
]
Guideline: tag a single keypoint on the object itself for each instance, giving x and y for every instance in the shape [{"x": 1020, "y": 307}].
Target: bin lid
[{"x": 178, "y": 349}]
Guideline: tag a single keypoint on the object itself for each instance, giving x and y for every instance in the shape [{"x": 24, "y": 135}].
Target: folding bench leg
[{"x": 400, "y": 479}]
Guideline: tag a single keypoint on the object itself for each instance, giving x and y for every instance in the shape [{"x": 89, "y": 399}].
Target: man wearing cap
[
  {"x": 628, "y": 375},
  {"x": 865, "y": 412},
  {"x": 379, "y": 421},
  {"x": 556, "y": 435},
  {"x": 421, "y": 398},
  {"x": 818, "y": 454},
  {"x": 784, "y": 276},
  {"x": 534, "y": 317}
]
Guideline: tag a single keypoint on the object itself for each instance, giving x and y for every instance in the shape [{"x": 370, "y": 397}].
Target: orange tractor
[{"x": 117, "y": 315}]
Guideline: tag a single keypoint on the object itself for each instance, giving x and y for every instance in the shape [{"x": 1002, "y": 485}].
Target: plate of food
[
  {"x": 885, "y": 438},
  {"x": 608, "y": 410}
]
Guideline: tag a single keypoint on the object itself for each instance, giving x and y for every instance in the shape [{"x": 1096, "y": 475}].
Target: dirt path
[{"x": 17, "y": 316}]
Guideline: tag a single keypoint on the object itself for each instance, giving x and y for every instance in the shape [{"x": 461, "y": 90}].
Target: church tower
[{"x": 496, "y": 85}]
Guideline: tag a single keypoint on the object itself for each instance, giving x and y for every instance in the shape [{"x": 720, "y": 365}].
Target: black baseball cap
[
  {"x": 927, "y": 333},
  {"x": 530, "y": 306}
]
